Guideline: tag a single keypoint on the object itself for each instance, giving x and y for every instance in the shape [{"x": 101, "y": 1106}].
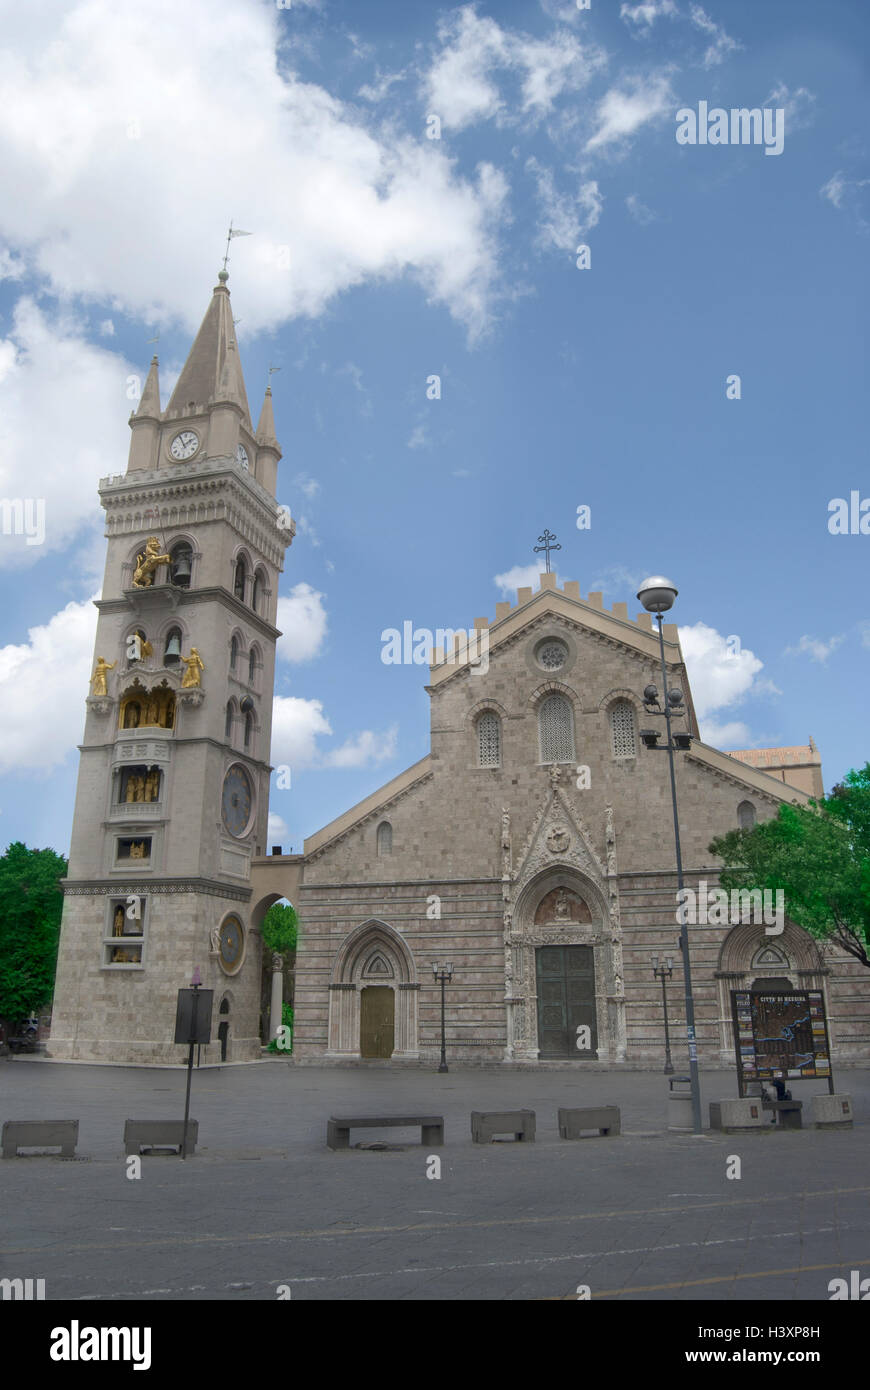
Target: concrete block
[
  {"x": 40, "y": 1134},
  {"x": 736, "y": 1116},
  {"x": 159, "y": 1134},
  {"x": 485, "y": 1124},
  {"x": 603, "y": 1118},
  {"x": 832, "y": 1112}
]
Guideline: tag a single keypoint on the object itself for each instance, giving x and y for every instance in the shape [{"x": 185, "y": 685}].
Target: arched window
[
  {"x": 181, "y": 564},
  {"x": 249, "y": 729},
  {"x": 746, "y": 815},
  {"x": 385, "y": 838},
  {"x": 556, "y": 728},
  {"x": 622, "y": 730},
  {"x": 252, "y": 665},
  {"x": 240, "y": 579},
  {"x": 234, "y": 652},
  {"x": 489, "y": 739},
  {"x": 172, "y": 647},
  {"x": 228, "y": 726}
]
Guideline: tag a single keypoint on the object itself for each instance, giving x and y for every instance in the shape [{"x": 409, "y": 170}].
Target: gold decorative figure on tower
[
  {"x": 152, "y": 711},
  {"x": 152, "y": 785},
  {"x": 98, "y": 679},
  {"x": 118, "y": 929},
  {"x": 137, "y": 850},
  {"x": 147, "y": 562},
  {"x": 194, "y": 665}
]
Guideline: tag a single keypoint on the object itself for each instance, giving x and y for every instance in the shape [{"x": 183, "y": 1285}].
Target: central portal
[
  {"x": 566, "y": 1001},
  {"x": 377, "y": 1021}
]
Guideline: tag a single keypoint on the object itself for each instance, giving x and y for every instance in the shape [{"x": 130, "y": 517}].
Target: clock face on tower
[
  {"x": 236, "y": 801},
  {"x": 184, "y": 445},
  {"x": 232, "y": 945}
]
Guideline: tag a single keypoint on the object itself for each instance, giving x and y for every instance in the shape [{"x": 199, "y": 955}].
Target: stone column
[{"x": 277, "y": 995}]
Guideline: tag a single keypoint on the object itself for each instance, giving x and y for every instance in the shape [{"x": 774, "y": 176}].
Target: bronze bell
[
  {"x": 181, "y": 568},
  {"x": 173, "y": 649}
]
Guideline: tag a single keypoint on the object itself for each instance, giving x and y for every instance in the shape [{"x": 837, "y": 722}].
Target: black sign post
[
  {"x": 192, "y": 1026},
  {"x": 781, "y": 1035}
]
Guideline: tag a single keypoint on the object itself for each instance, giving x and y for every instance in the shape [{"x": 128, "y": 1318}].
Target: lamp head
[{"x": 657, "y": 594}]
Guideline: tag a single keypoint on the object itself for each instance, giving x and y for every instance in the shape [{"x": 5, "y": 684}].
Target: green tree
[
  {"x": 280, "y": 927},
  {"x": 31, "y": 903},
  {"x": 819, "y": 855}
]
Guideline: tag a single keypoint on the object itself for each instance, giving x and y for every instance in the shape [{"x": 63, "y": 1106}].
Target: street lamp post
[
  {"x": 657, "y": 596},
  {"x": 664, "y": 973},
  {"x": 443, "y": 973}
]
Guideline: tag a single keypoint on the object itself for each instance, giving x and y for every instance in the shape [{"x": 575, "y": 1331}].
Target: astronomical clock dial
[
  {"x": 242, "y": 456},
  {"x": 232, "y": 945},
  {"x": 236, "y": 801},
  {"x": 184, "y": 445}
]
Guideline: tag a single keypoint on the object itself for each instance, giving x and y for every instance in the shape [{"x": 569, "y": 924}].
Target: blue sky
[{"x": 131, "y": 135}]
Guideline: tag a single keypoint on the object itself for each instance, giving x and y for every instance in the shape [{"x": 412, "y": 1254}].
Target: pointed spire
[
  {"x": 266, "y": 426},
  {"x": 212, "y": 372},
  {"x": 149, "y": 405}
]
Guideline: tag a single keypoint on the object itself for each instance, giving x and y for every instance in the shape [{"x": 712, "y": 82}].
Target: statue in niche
[
  {"x": 135, "y": 788},
  {"x": 132, "y": 714},
  {"x": 168, "y": 711},
  {"x": 152, "y": 711},
  {"x": 193, "y": 664},
  {"x": 215, "y": 939},
  {"x": 120, "y": 957},
  {"x": 563, "y": 907},
  {"x": 137, "y": 849},
  {"x": 98, "y": 679},
  {"x": 118, "y": 926},
  {"x": 147, "y": 562},
  {"x": 555, "y": 775},
  {"x": 505, "y": 828},
  {"x": 152, "y": 785}
]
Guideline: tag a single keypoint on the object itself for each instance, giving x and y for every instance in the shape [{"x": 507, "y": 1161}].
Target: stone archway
[
  {"x": 561, "y": 960},
  {"x": 749, "y": 957},
  {"x": 374, "y": 955}
]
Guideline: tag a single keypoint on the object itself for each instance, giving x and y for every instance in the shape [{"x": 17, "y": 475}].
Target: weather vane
[
  {"x": 233, "y": 231},
  {"x": 271, "y": 370},
  {"x": 548, "y": 539}
]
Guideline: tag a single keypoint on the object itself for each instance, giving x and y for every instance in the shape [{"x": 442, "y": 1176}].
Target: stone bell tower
[{"x": 173, "y": 786}]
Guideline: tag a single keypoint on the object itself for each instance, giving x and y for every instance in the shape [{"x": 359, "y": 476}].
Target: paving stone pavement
[{"x": 264, "y": 1208}]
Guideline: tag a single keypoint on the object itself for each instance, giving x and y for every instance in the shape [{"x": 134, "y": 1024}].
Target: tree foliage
[
  {"x": 819, "y": 855},
  {"x": 280, "y": 928},
  {"x": 31, "y": 903}
]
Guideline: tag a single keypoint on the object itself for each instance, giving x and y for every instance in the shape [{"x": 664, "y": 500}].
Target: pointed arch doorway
[{"x": 373, "y": 996}]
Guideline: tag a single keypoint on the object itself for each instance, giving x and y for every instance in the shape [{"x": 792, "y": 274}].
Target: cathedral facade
[{"x": 532, "y": 850}]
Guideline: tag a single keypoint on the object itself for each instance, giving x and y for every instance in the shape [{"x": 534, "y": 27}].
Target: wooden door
[
  {"x": 566, "y": 1000},
  {"x": 377, "y": 1021}
]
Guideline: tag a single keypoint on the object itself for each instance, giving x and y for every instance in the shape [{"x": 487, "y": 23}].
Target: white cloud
[
  {"x": 718, "y": 676},
  {"x": 616, "y": 579},
  {"x": 110, "y": 115},
  {"x": 82, "y": 437},
  {"x": 564, "y": 217},
  {"x": 733, "y": 734},
  {"x": 798, "y": 105},
  {"x": 107, "y": 328},
  {"x": 11, "y": 267},
  {"x": 377, "y": 90},
  {"x": 815, "y": 647},
  {"x": 43, "y": 684},
  {"x": 303, "y": 623},
  {"x": 309, "y": 487},
  {"x": 364, "y": 750},
  {"x": 297, "y": 724},
  {"x": 846, "y": 195},
  {"x": 278, "y": 829},
  {"x": 461, "y": 86},
  {"x": 419, "y": 439},
  {"x": 519, "y": 577},
  {"x": 644, "y": 15},
  {"x": 639, "y": 211},
  {"x": 721, "y": 44},
  {"x": 623, "y": 110}
]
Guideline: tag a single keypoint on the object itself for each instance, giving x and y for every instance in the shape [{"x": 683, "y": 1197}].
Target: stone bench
[
  {"x": 40, "y": 1134},
  {"x": 603, "y": 1118},
  {"x": 338, "y": 1127},
  {"x": 159, "y": 1134},
  {"x": 485, "y": 1124}
]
